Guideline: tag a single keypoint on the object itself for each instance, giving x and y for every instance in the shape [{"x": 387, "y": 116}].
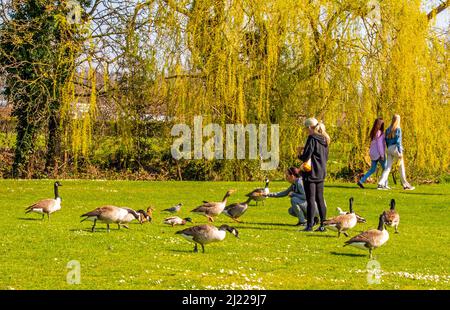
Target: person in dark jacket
[
  {"x": 297, "y": 194},
  {"x": 316, "y": 150}
]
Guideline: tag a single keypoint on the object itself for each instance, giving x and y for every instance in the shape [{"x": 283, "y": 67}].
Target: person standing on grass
[
  {"x": 377, "y": 150},
  {"x": 316, "y": 151},
  {"x": 297, "y": 194},
  {"x": 395, "y": 153}
]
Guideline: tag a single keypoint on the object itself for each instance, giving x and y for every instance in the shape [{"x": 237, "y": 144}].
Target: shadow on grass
[
  {"x": 30, "y": 219},
  {"x": 269, "y": 224},
  {"x": 348, "y": 254},
  {"x": 186, "y": 251},
  {"x": 350, "y": 186},
  {"x": 261, "y": 228},
  {"x": 321, "y": 236},
  {"x": 97, "y": 230},
  {"x": 419, "y": 193}
]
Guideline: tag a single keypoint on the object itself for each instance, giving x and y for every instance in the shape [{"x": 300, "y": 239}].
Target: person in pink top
[{"x": 377, "y": 150}]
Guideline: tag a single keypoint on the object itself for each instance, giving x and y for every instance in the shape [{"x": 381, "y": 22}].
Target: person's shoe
[
  {"x": 307, "y": 228},
  {"x": 360, "y": 184},
  {"x": 409, "y": 188},
  {"x": 300, "y": 223},
  {"x": 321, "y": 229},
  {"x": 316, "y": 221},
  {"x": 382, "y": 187},
  {"x": 387, "y": 187}
]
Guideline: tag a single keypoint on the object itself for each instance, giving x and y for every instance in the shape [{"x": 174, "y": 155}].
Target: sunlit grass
[{"x": 270, "y": 254}]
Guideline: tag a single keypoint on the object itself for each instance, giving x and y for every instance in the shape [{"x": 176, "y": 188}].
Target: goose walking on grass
[
  {"x": 174, "y": 209},
  {"x": 343, "y": 222},
  {"x": 47, "y": 206},
  {"x": 391, "y": 217},
  {"x": 370, "y": 239},
  {"x": 213, "y": 209},
  {"x": 175, "y": 220},
  {"x": 109, "y": 215},
  {"x": 260, "y": 194},
  {"x": 204, "y": 234},
  {"x": 236, "y": 210}
]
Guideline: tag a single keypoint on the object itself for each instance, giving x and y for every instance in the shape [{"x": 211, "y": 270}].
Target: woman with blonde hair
[
  {"x": 316, "y": 152},
  {"x": 394, "y": 145}
]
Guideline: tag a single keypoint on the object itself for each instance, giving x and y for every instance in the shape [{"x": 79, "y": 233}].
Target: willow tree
[
  {"x": 278, "y": 61},
  {"x": 346, "y": 62}
]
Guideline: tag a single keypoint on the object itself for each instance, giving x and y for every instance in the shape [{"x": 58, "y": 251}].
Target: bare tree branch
[{"x": 438, "y": 9}]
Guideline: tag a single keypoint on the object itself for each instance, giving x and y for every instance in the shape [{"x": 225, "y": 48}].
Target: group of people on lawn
[{"x": 307, "y": 182}]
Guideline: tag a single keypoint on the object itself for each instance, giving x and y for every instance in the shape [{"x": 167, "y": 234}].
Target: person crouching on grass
[{"x": 297, "y": 194}]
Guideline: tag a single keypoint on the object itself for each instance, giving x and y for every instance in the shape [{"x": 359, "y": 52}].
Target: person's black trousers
[{"x": 314, "y": 192}]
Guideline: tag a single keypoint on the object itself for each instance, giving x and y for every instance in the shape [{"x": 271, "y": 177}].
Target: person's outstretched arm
[{"x": 281, "y": 194}]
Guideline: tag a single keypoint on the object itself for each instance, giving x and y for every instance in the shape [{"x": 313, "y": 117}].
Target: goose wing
[
  {"x": 205, "y": 207},
  {"x": 95, "y": 212},
  {"x": 44, "y": 204},
  {"x": 99, "y": 211},
  {"x": 256, "y": 192},
  {"x": 235, "y": 209},
  {"x": 196, "y": 233},
  {"x": 364, "y": 237},
  {"x": 337, "y": 220}
]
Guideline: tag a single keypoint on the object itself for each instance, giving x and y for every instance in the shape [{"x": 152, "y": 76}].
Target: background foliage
[{"x": 102, "y": 94}]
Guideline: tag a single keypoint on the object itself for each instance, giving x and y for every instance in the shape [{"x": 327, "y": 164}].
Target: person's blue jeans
[
  {"x": 373, "y": 168},
  {"x": 298, "y": 209}
]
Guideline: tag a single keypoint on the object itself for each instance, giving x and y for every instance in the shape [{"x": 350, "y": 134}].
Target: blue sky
[{"x": 443, "y": 19}]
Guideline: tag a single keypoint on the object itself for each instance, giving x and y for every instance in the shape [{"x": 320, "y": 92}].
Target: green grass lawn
[{"x": 270, "y": 254}]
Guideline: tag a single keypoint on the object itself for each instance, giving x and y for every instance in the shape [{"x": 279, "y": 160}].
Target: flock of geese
[{"x": 205, "y": 234}]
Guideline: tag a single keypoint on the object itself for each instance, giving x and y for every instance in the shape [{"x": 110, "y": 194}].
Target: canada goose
[
  {"x": 260, "y": 194},
  {"x": 204, "y": 234},
  {"x": 47, "y": 206},
  {"x": 391, "y": 217},
  {"x": 211, "y": 209},
  {"x": 109, "y": 214},
  {"x": 173, "y": 209},
  {"x": 359, "y": 218},
  {"x": 343, "y": 222},
  {"x": 370, "y": 239},
  {"x": 175, "y": 220},
  {"x": 236, "y": 210}
]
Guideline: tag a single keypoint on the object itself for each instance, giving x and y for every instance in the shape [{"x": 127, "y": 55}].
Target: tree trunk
[
  {"x": 53, "y": 144},
  {"x": 24, "y": 147}
]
